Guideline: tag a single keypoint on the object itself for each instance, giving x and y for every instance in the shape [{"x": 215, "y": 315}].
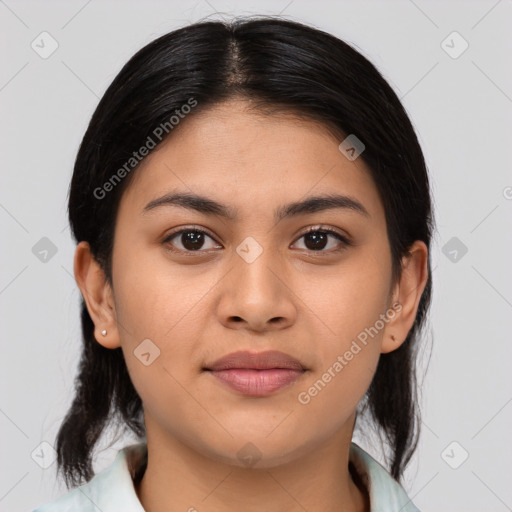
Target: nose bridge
[
  {"x": 255, "y": 291},
  {"x": 256, "y": 266}
]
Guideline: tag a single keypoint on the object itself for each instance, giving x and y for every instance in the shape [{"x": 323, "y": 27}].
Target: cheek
[
  {"x": 331, "y": 396},
  {"x": 346, "y": 359},
  {"x": 347, "y": 299},
  {"x": 349, "y": 305},
  {"x": 155, "y": 297},
  {"x": 160, "y": 313}
]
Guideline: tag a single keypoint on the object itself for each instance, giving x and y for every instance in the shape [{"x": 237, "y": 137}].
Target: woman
[{"x": 253, "y": 218}]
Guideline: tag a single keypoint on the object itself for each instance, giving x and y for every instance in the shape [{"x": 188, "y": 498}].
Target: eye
[
  {"x": 316, "y": 239},
  {"x": 190, "y": 239}
]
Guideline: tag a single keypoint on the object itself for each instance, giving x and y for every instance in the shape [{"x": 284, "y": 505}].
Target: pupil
[
  {"x": 192, "y": 240},
  {"x": 318, "y": 240}
]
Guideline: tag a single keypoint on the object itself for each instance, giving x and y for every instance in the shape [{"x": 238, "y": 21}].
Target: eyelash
[{"x": 345, "y": 242}]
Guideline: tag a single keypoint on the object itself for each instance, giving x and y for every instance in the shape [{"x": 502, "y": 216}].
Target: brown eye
[
  {"x": 190, "y": 240},
  {"x": 317, "y": 240}
]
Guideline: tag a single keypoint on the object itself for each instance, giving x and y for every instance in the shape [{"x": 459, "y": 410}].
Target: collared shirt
[{"x": 113, "y": 490}]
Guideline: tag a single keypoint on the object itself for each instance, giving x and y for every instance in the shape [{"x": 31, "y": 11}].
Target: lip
[
  {"x": 271, "y": 359},
  {"x": 257, "y": 374}
]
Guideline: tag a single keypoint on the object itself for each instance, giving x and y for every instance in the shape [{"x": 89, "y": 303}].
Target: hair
[{"x": 276, "y": 65}]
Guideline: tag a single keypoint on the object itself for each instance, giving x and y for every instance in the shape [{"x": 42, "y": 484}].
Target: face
[{"x": 200, "y": 285}]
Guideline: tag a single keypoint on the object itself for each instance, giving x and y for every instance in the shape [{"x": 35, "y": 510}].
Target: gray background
[{"x": 461, "y": 106}]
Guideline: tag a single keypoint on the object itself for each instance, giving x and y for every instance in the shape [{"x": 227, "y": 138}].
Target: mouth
[{"x": 256, "y": 374}]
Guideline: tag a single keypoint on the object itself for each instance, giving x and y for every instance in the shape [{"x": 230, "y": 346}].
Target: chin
[{"x": 259, "y": 449}]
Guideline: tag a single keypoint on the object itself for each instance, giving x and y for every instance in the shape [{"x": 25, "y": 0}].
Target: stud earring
[{"x": 104, "y": 332}]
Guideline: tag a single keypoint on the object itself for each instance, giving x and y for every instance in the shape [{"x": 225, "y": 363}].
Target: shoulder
[
  {"x": 73, "y": 500},
  {"x": 385, "y": 492},
  {"x": 111, "y": 490}
]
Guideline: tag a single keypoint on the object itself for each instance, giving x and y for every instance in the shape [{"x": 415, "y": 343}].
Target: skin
[{"x": 199, "y": 307}]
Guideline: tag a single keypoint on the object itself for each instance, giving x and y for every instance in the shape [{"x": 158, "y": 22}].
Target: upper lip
[{"x": 257, "y": 361}]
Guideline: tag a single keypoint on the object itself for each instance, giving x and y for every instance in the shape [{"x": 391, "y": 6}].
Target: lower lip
[{"x": 257, "y": 382}]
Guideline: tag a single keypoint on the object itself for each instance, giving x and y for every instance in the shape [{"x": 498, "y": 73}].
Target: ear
[
  {"x": 406, "y": 296},
  {"x": 98, "y": 296}
]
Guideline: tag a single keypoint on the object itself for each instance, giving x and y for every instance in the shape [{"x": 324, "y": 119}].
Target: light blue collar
[{"x": 112, "y": 490}]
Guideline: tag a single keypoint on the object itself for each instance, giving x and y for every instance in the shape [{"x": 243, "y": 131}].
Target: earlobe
[
  {"x": 407, "y": 293},
  {"x": 97, "y": 294}
]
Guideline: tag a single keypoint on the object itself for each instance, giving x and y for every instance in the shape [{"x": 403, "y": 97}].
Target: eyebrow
[{"x": 209, "y": 206}]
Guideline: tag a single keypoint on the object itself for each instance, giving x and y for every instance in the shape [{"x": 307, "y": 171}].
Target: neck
[{"x": 179, "y": 478}]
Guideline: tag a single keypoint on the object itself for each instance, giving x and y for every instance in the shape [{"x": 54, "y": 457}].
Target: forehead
[{"x": 242, "y": 156}]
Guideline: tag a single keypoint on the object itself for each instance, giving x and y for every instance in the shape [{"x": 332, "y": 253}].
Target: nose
[{"x": 256, "y": 296}]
